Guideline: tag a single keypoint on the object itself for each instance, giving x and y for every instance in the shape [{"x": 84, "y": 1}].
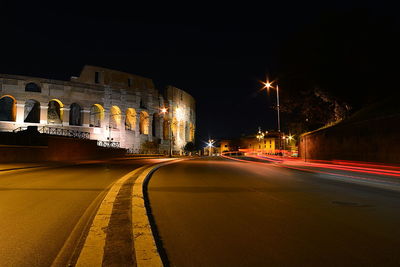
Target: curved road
[
  {"x": 217, "y": 212},
  {"x": 39, "y": 208}
]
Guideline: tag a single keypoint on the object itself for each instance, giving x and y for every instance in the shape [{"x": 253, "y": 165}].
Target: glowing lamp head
[{"x": 163, "y": 110}]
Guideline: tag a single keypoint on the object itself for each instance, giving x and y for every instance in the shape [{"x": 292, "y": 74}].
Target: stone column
[
  {"x": 85, "y": 113},
  {"x": 43, "y": 114},
  {"x": 65, "y": 116},
  {"x": 150, "y": 135},
  {"x": 137, "y": 126},
  {"x": 20, "y": 113}
]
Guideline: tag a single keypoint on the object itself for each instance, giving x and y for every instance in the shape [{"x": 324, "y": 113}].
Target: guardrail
[
  {"x": 59, "y": 132},
  {"x": 108, "y": 144},
  {"x": 64, "y": 132}
]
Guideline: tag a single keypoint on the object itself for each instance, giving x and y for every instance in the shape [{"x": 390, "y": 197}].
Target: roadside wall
[
  {"x": 57, "y": 149},
  {"x": 374, "y": 140}
]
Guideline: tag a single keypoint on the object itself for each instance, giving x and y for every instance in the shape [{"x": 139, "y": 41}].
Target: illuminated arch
[
  {"x": 115, "y": 117},
  {"x": 8, "y": 108},
  {"x": 144, "y": 122},
  {"x": 55, "y": 112},
  {"x": 181, "y": 132},
  {"x": 32, "y": 111},
  {"x": 192, "y": 132},
  {"x": 96, "y": 115},
  {"x": 174, "y": 128},
  {"x": 75, "y": 114},
  {"x": 130, "y": 119}
]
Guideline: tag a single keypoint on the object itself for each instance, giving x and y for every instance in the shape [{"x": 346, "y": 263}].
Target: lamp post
[
  {"x": 268, "y": 85},
  {"x": 210, "y": 145}
]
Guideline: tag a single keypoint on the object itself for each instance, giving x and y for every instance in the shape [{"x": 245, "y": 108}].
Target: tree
[{"x": 189, "y": 147}]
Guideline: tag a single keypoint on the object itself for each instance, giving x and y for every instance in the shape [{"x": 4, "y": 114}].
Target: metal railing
[
  {"x": 20, "y": 129},
  {"x": 64, "y": 132},
  {"x": 58, "y": 131},
  {"x": 108, "y": 144}
]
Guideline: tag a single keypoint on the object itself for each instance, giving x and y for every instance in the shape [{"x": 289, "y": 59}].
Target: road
[
  {"x": 41, "y": 208},
  {"x": 218, "y": 212}
]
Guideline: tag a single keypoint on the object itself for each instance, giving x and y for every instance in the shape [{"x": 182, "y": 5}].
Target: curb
[
  {"x": 93, "y": 249},
  {"x": 146, "y": 251}
]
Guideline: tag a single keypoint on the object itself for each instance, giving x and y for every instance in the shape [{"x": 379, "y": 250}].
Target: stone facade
[{"x": 111, "y": 105}]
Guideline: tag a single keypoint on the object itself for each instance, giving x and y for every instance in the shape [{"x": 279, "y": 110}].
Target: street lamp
[
  {"x": 210, "y": 145},
  {"x": 164, "y": 111},
  {"x": 268, "y": 85}
]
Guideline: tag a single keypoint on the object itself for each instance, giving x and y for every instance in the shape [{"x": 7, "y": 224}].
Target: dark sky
[{"x": 217, "y": 54}]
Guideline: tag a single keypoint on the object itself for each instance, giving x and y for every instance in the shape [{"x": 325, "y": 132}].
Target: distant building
[
  {"x": 267, "y": 145},
  {"x": 112, "y": 106}
]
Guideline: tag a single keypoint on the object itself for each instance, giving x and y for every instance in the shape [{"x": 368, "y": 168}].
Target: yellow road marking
[{"x": 93, "y": 249}]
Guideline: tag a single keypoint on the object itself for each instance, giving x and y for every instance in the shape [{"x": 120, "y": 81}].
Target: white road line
[
  {"x": 145, "y": 246},
  {"x": 93, "y": 249}
]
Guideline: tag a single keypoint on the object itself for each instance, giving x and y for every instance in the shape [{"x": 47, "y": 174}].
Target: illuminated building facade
[{"x": 112, "y": 106}]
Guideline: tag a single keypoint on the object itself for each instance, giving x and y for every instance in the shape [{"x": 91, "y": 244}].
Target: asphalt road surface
[
  {"x": 40, "y": 208},
  {"x": 217, "y": 212}
]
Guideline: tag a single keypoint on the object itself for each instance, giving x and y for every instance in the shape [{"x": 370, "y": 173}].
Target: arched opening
[
  {"x": 130, "y": 119},
  {"x": 174, "y": 128},
  {"x": 32, "y": 87},
  {"x": 144, "y": 122},
  {"x": 8, "y": 108},
  {"x": 166, "y": 129},
  {"x": 75, "y": 114},
  {"x": 155, "y": 129},
  {"x": 191, "y": 138},
  {"x": 115, "y": 117},
  {"x": 96, "y": 115},
  {"x": 181, "y": 133},
  {"x": 32, "y": 111},
  {"x": 54, "y": 112}
]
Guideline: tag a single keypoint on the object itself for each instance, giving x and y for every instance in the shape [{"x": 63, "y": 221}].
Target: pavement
[{"x": 219, "y": 212}]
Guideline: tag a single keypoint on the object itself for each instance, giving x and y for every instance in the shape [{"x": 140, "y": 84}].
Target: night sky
[{"x": 217, "y": 54}]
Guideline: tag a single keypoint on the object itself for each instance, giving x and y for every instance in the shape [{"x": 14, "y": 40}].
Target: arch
[
  {"x": 155, "y": 129},
  {"x": 181, "y": 131},
  {"x": 8, "y": 108},
  {"x": 192, "y": 131},
  {"x": 130, "y": 119},
  {"x": 55, "y": 112},
  {"x": 166, "y": 129},
  {"x": 96, "y": 115},
  {"x": 75, "y": 114},
  {"x": 174, "y": 128},
  {"x": 115, "y": 117},
  {"x": 187, "y": 132},
  {"x": 32, "y": 111},
  {"x": 33, "y": 87},
  {"x": 144, "y": 122}
]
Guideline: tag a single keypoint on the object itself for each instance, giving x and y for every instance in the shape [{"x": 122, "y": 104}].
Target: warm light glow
[
  {"x": 179, "y": 114},
  {"x": 267, "y": 84},
  {"x": 210, "y": 143},
  {"x": 163, "y": 110}
]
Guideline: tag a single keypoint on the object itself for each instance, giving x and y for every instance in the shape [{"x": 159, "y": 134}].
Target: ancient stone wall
[{"x": 110, "y": 105}]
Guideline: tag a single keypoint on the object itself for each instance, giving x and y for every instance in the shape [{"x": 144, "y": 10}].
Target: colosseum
[{"x": 113, "y": 107}]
